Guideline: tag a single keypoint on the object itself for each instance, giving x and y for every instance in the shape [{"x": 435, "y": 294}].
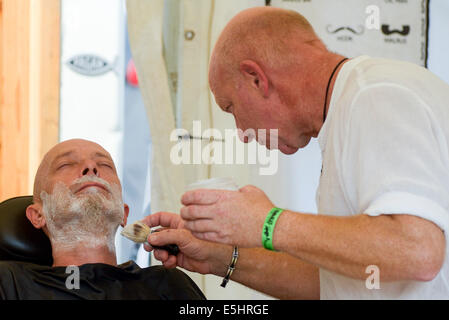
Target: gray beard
[{"x": 90, "y": 218}]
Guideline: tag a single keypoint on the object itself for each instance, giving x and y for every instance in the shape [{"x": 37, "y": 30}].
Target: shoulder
[
  {"x": 177, "y": 282},
  {"x": 377, "y": 87},
  {"x": 365, "y": 74},
  {"x": 18, "y": 269},
  {"x": 12, "y": 273},
  {"x": 171, "y": 275},
  {"x": 13, "y": 266},
  {"x": 369, "y": 70}
]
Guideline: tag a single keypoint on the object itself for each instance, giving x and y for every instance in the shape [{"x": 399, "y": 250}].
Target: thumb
[
  {"x": 180, "y": 237},
  {"x": 249, "y": 188}
]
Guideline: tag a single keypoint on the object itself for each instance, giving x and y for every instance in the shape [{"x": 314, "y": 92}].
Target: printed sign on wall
[{"x": 395, "y": 29}]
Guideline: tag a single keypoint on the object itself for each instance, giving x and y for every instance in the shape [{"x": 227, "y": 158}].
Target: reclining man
[{"x": 77, "y": 202}]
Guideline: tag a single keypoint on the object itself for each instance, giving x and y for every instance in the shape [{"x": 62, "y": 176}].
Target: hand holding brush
[{"x": 139, "y": 232}]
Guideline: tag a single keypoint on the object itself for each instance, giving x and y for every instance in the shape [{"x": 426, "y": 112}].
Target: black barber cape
[{"x": 28, "y": 281}]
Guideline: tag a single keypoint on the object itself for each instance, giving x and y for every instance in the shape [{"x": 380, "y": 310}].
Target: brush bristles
[{"x": 137, "y": 232}]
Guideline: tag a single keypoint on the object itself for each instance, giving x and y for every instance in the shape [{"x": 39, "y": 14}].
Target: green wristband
[{"x": 268, "y": 227}]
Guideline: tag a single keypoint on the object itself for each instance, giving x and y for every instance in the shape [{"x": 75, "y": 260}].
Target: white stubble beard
[{"x": 89, "y": 218}]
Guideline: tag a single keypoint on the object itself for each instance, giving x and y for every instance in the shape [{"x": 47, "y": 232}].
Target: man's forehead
[
  {"x": 78, "y": 149},
  {"x": 77, "y": 152},
  {"x": 217, "y": 87}
]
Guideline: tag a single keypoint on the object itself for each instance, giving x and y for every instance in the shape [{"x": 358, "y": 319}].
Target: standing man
[{"x": 383, "y": 198}]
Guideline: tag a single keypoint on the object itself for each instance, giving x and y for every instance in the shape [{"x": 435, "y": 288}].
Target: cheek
[
  {"x": 49, "y": 187},
  {"x": 109, "y": 175},
  {"x": 248, "y": 117}
]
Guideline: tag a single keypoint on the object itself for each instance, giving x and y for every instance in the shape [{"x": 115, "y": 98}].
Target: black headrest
[{"x": 19, "y": 240}]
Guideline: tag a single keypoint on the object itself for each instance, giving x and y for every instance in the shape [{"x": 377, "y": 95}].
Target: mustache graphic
[
  {"x": 386, "y": 30},
  {"x": 359, "y": 30}
]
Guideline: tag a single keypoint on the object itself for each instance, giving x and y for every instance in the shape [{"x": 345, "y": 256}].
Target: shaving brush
[{"x": 139, "y": 232}]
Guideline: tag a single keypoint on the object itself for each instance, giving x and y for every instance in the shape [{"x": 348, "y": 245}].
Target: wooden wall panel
[{"x": 29, "y": 109}]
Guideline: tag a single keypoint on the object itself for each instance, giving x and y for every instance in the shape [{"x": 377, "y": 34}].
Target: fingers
[
  {"x": 249, "y": 188},
  {"x": 167, "y": 260},
  {"x": 201, "y": 225},
  {"x": 161, "y": 255},
  {"x": 193, "y": 212},
  {"x": 180, "y": 237},
  {"x": 147, "y": 247},
  {"x": 202, "y": 196},
  {"x": 211, "y": 236},
  {"x": 171, "y": 262},
  {"x": 164, "y": 219}
]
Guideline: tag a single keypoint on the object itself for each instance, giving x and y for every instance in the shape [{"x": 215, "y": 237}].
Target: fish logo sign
[{"x": 90, "y": 65}]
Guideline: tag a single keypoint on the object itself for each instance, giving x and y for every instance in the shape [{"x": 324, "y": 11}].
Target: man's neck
[
  {"x": 319, "y": 73},
  {"x": 333, "y": 62},
  {"x": 81, "y": 254}
]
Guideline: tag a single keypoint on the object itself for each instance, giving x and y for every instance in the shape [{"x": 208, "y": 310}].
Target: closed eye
[
  {"x": 63, "y": 165},
  {"x": 107, "y": 165},
  {"x": 228, "y": 109}
]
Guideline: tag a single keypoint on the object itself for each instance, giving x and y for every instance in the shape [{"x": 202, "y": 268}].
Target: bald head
[
  {"x": 66, "y": 148},
  {"x": 265, "y": 35}
]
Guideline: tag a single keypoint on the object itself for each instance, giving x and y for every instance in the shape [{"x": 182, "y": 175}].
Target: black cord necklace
[{"x": 328, "y": 85}]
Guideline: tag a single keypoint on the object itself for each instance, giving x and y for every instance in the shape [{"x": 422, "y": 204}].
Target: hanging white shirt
[{"x": 385, "y": 149}]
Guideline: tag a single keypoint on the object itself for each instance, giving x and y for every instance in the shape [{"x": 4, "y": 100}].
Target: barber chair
[{"x": 19, "y": 240}]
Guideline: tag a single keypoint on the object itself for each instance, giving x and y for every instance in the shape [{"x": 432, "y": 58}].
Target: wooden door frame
[{"x": 29, "y": 89}]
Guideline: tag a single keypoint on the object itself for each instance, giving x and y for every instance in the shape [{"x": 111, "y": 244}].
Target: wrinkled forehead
[
  {"x": 76, "y": 148},
  {"x": 213, "y": 75},
  {"x": 221, "y": 81}
]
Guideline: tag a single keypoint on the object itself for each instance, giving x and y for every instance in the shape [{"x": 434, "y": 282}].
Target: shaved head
[
  {"x": 262, "y": 34},
  {"x": 270, "y": 70}
]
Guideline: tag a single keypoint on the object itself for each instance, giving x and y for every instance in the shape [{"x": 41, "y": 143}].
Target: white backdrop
[
  {"x": 91, "y": 107},
  {"x": 389, "y": 29}
]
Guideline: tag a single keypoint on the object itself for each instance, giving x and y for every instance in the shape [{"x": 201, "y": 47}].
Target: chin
[{"x": 287, "y": 149}]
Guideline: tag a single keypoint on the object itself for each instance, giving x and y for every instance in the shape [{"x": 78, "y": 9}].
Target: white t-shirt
[{"x": 385, "y": 149}]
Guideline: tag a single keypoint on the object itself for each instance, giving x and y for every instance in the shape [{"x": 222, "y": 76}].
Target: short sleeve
[{"x": 395, "y": 156}]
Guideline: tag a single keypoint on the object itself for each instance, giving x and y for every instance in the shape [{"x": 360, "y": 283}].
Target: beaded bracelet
[{"x": 231, "y": 267}]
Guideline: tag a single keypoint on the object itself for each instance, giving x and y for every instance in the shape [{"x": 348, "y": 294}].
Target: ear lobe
[
  {"x": 254, "y": 73},
  {"x": 35, "y": 215},
  {"x": 125, "y": 216}
]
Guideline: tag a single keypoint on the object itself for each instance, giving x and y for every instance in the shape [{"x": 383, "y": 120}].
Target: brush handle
[{"x": 172, "y": 249}]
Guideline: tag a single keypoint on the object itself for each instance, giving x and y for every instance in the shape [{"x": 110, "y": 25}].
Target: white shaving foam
[{"x": 89, "y": 217}]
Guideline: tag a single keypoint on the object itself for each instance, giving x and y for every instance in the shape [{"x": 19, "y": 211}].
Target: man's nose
[{"x": 90, "y": 169}]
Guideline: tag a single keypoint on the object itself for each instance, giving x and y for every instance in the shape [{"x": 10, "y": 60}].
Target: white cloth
[{"x": 385, "y": 151}]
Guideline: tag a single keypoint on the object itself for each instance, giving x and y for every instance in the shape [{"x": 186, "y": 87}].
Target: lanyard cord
[{"x": 328, "y": 85}]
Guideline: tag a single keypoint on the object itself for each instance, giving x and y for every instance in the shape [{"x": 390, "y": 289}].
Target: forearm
[
  {"x": 402, "y": 247},
  {"x": 276, "y": 274}
]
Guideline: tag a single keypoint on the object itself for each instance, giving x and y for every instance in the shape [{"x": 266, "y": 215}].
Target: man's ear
[
  {"x": 35, "y": 215},
  {"x": 125, "y": 216},
  {"x": 252, "y": 72}
]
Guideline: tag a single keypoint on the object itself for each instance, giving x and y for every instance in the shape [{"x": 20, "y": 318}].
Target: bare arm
[
  {"x": 404, "y": 247},
  {"x": 276, "y": 274}
]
